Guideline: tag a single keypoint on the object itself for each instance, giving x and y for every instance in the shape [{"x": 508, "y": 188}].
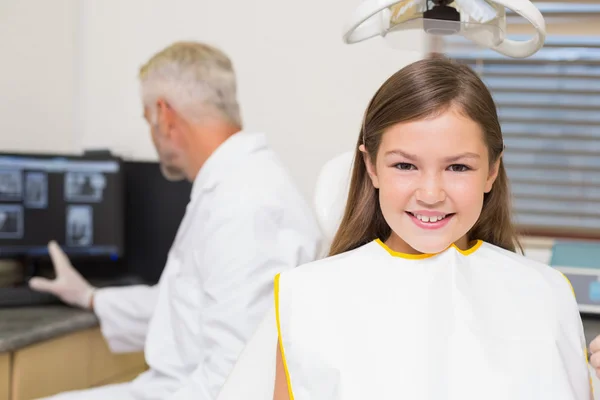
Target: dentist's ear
[
  {"x": 371, "y": 170},
  {"x": 165, "y": 116}
]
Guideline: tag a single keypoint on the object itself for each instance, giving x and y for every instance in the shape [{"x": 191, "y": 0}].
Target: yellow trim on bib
[
  {"x": 471, "y": 250},
  {"x": 285, "y": 366},
  {"x": 569, "y": 282}
]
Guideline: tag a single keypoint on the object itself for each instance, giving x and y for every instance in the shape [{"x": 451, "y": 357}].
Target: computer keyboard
[{"x": 22, "y": 295}]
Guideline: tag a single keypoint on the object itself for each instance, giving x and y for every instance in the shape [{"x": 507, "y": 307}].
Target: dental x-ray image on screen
[
  {"x": 77, "y": 201},
  {"x": 11, "y": 185},
  {"x": 36, "y": 190},
  {"x": 11, "y": 221},
  {"x": 79, "y": 226},
  {"x": 84, "y": 186}
]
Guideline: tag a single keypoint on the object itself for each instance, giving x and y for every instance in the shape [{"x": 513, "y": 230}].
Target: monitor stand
[
  {"x": 19, "y": 294},
  {"x": 15, "y": 292},
  {"x": 31, "y": 267}
]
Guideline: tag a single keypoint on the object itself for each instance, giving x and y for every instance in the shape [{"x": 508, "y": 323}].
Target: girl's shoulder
[
  {"x": 332, "y": 266},
  {"x": 524, "y": 267}
]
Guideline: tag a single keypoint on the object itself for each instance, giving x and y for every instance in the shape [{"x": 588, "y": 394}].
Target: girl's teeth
[{"x": 424, "y": 218}]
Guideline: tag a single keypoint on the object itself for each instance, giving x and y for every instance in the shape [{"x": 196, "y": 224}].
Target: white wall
[
  {"x": 37, "y": 75},
  {"x": 298, "y": 81},
  {"x": 68, "y": 72}
]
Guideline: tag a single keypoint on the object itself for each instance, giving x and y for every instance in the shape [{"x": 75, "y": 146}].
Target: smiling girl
[{"x": 423, "y": 295}]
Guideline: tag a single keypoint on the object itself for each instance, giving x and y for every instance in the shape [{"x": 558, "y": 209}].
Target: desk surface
[{"x": 24, "y": 326}]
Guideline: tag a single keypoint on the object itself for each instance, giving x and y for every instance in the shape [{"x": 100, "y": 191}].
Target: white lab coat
[
  {"x": 245, "y": 222},
  {"x": 478, "y": 324}
]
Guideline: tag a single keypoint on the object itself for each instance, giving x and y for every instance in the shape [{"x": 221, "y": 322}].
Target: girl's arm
[{"x": 281, "y": 391}]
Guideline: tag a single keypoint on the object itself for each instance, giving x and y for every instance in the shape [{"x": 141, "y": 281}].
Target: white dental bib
[{"x": 478, "y": 324}]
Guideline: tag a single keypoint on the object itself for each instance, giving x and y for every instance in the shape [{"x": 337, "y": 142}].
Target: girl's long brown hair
[{"x": 420, "y": 90}]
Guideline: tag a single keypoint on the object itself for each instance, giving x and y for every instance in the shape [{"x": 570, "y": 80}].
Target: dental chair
[{"x": 331, "y": 192}]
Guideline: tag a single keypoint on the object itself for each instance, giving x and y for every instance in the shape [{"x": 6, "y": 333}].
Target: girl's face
[{"x": 432, "y": 175}]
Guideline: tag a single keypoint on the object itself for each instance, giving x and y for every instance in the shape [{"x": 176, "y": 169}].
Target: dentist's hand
[
  {"x": 68, "y": 285},
  {"x": 595, "y": 355}
]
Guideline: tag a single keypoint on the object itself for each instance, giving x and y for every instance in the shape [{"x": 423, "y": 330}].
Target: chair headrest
[{"x": 331, "y": 193}]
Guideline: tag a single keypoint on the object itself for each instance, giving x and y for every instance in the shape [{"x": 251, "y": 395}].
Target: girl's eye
[
  {"x": 404, "y": 166},
  {"x": 459, "y": 168}
]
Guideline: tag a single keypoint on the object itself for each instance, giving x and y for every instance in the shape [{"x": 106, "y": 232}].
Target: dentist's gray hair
[{"x": 194, "y": 78}]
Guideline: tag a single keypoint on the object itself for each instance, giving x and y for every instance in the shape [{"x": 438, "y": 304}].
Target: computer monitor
[
  {"x": 76, "y": 201},
  {"x": 154, "y": 209}
]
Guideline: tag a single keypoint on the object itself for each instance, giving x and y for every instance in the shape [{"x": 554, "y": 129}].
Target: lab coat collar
[{"x": 229, "y": 154}]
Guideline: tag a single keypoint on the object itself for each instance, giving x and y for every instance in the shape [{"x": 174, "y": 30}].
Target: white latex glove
[
  {"x": 68, "y": 285},
  {"x": 595, "y": 355}
]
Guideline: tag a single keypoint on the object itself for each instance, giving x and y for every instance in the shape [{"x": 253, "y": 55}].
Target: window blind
[{"x": 549, "y": 109}]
